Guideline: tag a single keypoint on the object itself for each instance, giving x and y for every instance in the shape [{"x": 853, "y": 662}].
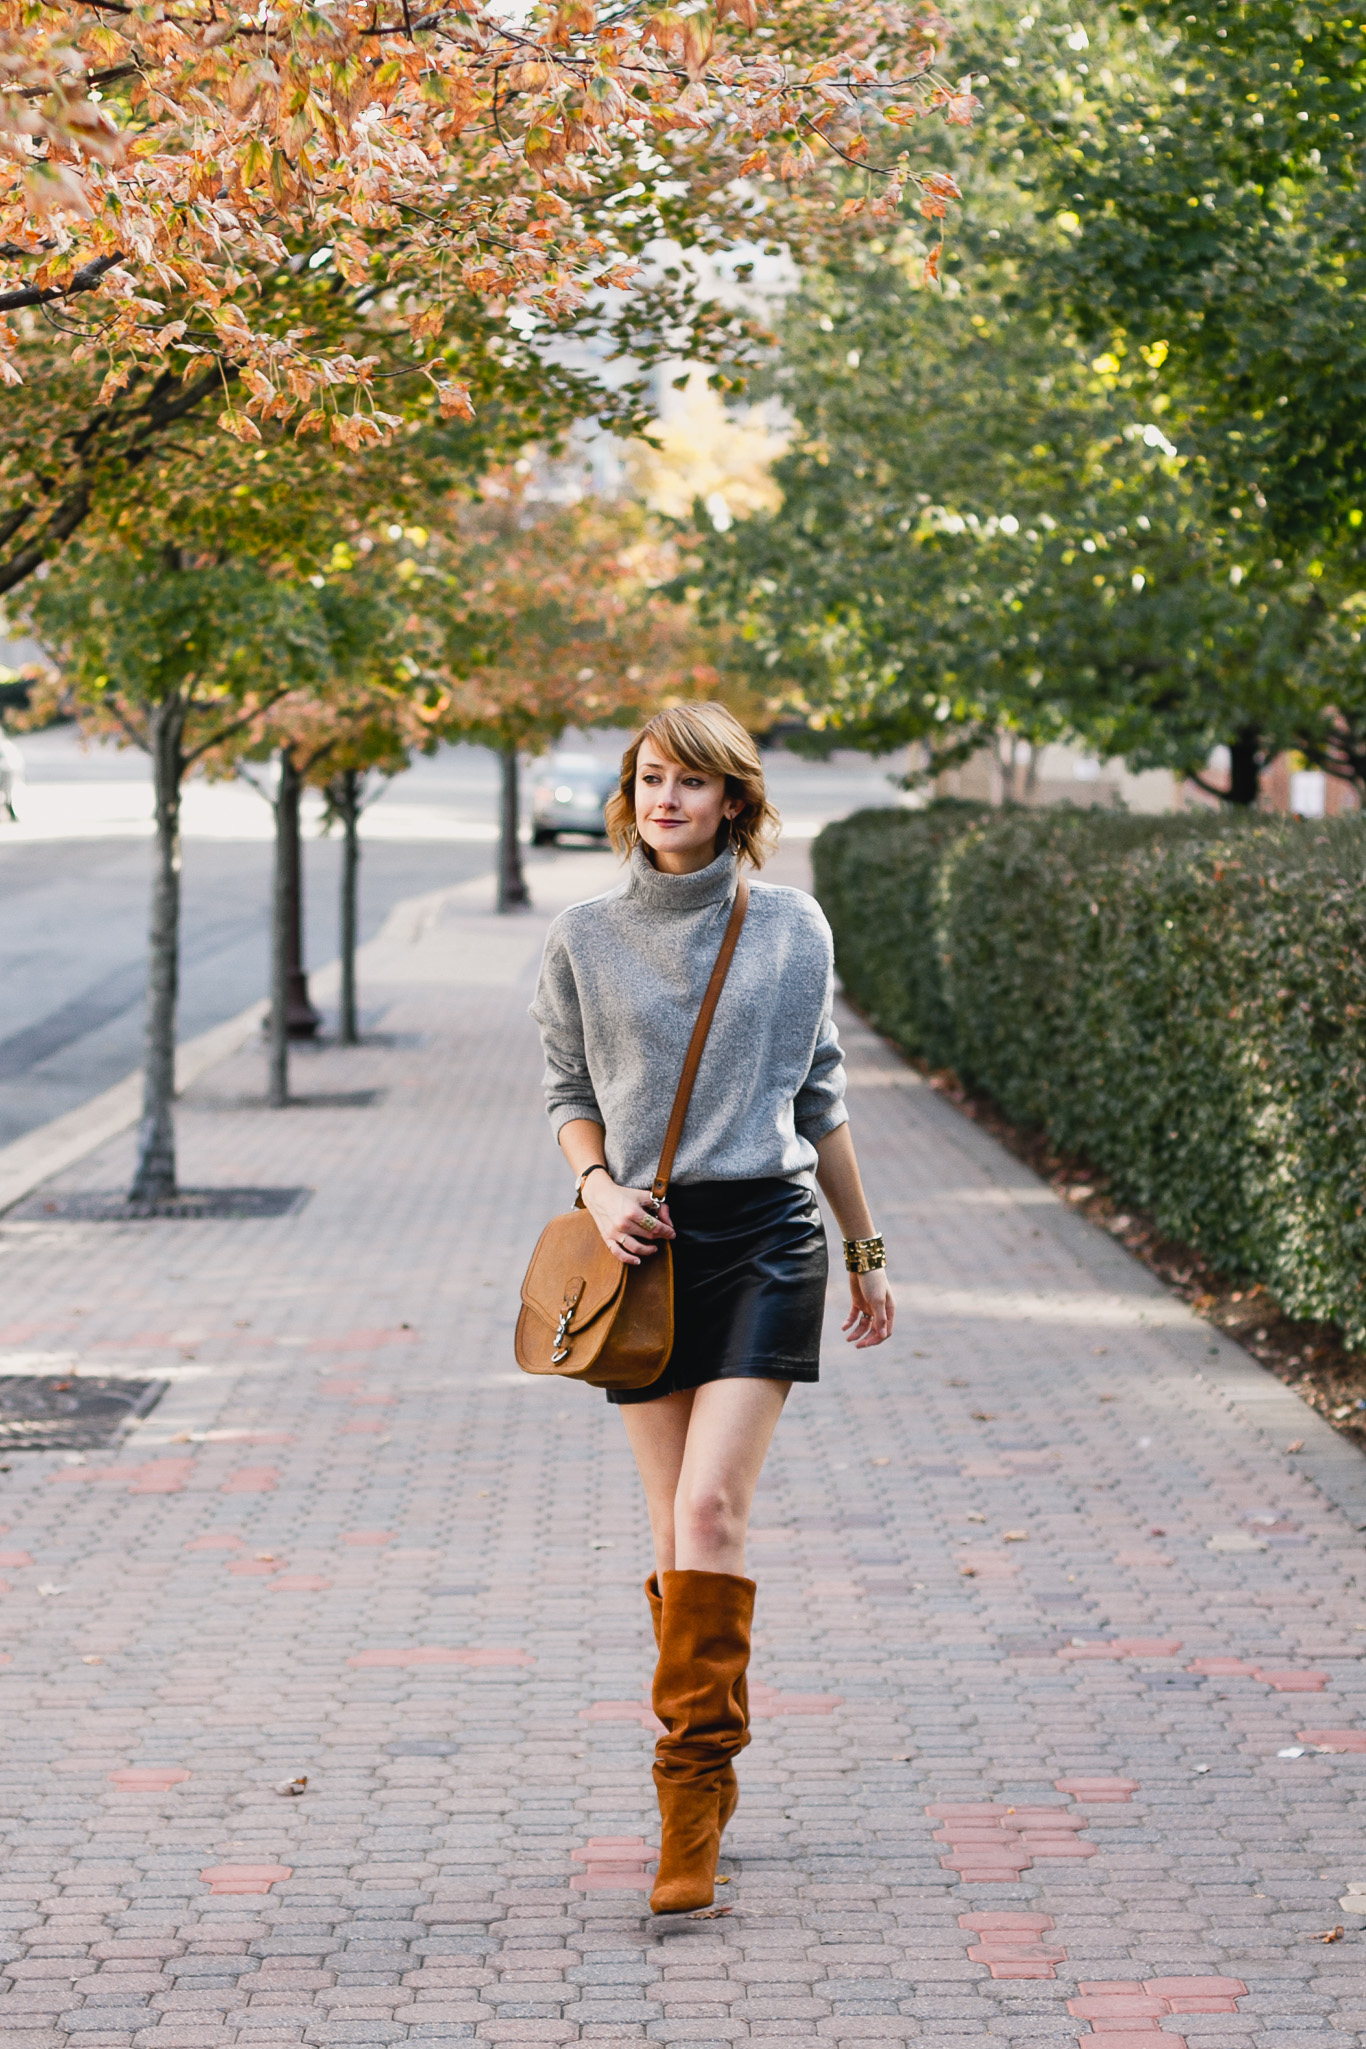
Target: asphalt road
[{"x": 74, "y": 876}]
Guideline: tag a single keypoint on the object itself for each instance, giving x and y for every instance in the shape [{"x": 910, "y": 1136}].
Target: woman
[{"x": 621, "y": 985}]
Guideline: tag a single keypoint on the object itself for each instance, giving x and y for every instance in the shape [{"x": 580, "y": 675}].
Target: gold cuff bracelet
[{"x": 864, "y": 1255}]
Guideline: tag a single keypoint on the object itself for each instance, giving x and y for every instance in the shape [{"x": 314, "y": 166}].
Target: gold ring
[{"x": 649, "y": 1224}]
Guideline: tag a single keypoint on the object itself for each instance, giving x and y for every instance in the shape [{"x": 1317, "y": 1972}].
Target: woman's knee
[{"x": 708, "y": 1515}]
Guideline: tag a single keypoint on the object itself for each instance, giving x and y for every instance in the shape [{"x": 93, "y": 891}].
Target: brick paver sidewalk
[{"x": 1043, "y": 1606}]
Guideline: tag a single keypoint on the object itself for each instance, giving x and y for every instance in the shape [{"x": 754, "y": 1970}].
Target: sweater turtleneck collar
[{"x": 656, "y": 891}]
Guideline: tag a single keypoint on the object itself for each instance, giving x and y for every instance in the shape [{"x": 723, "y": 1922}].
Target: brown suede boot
[
  {"x": 699, "y": 1696},
  {"x": 727, "y": 1782}
]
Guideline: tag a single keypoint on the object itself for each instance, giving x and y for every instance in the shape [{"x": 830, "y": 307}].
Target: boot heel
[
  {"x": 689, "y": 1845},
  {"x": 728, "y": 1786}
]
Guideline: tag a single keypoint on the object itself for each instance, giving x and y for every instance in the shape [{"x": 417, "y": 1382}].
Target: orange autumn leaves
[{"x": 164, "y": 166}]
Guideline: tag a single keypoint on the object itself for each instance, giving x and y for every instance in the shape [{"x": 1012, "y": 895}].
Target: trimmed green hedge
[{"x": 1182, "y": 1000}]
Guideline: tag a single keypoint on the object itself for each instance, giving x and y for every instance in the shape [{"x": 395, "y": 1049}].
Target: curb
[
  {"x": 39, "y": 1154},
  {"x": 51, "y": 1148},
  {"x": 48, "y": 1150}
]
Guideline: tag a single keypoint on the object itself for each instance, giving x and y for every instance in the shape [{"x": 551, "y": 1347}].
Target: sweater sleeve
[
  {"x": 819, "y": 1103},
  {"x": 568, "y": 1088}
]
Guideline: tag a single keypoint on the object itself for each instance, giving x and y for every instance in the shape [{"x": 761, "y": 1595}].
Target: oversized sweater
[{"x": 621, "y": 984}]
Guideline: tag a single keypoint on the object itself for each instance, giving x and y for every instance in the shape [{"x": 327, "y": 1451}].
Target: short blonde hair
[{"x": 711, "y": 740}]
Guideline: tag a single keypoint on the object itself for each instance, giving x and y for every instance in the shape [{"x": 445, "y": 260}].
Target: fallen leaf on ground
[
  {"x": 1328, "y": 1935},
  {"x": 710, "y": 1913},
  {"x": 984, "y": 1415},
  {"x": 291, "y": 1788},
  {"x": 723, "y": 1881},
  {"x": 967, "y": 1572},
  {"x": 882, "y": 1462},
  {"x": 1108, "y": 1397},
  {"x": 1015, "y": 1536},
  {"x": 92, "y": 1661},
  {"x": 973, "y": 1517},
  {"x": 1298, "y": 1445}
]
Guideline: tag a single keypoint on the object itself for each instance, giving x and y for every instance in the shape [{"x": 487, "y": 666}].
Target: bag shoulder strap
[{"x": 698, "y": 1040}]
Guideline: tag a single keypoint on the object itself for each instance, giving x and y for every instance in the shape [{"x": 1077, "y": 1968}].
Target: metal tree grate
[
  {"x": 90, "y": 1206},
  {"x": 72, "y": 1412}
]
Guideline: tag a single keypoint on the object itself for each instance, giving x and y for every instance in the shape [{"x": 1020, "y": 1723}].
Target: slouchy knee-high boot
[
  {"x": 700, "y": 1696},
  {"x": 729, "y": 1784}
]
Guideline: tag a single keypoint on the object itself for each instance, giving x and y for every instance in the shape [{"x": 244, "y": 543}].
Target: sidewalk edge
[{"x": 34, "y": 1158}]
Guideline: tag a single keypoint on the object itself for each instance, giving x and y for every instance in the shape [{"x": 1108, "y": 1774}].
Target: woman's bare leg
[
  {"x": 658, "y": 1433},
  {"x": 700, "y": 1454},
  {"x": 729, "y": 1432}
]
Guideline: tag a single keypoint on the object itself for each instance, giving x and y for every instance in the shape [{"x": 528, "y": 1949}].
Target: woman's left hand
[{"x": 872, "y": 1310}]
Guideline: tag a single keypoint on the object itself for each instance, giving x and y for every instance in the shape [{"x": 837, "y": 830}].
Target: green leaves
[
  {"x": 1180, "y": 1000},
  {"x": 133, "y": 630},
  {"x": 1102, "y": 487},
  {"x": 1212, "y": 157}
]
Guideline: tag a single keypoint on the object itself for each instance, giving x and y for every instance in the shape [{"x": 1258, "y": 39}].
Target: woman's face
[{"x": 679, "y": 811}]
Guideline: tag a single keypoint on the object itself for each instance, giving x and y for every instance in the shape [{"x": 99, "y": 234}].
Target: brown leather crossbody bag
[{"x": 585, "y": 1315}]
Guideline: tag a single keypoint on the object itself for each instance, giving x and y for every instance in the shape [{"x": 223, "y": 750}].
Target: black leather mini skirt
[{"x": 749, "y": 1286}]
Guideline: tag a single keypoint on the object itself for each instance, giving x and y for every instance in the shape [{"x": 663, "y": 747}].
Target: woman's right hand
[{"x": 630, "y": 1229}]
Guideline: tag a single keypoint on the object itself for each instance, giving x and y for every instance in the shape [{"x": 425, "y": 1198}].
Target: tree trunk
[
  {"x": 1245, "y": 768},
  {"x": 282, "y": 928},
  {"x": 345, "y": 794},
  {"x": 154, "y": 1178},
  {"x": 513, "y": 894},
  {"x": 292, "y": 1016}
]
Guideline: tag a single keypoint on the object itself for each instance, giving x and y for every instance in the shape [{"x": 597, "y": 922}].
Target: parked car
[
  {"x": 11, "y": 774},
  {"x": 568, "y": 795}
]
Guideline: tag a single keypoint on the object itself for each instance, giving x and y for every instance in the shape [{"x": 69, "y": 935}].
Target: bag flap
[{"x": 571, "y": 1260}]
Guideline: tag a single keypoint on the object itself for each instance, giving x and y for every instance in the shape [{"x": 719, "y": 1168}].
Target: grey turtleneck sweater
[{"x": 621, "y": 984}]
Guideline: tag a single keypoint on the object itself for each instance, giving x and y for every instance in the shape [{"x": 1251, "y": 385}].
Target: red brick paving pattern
[{"x": 470, "y": 1859}]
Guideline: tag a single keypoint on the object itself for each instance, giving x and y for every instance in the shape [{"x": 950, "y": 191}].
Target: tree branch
[
  {"x": 234, "y": 726},
  {"x": 156, "y": 412},
  {"x": 1224, "y": 796},
  {"x": 138, "y": 739},
  {"x": 10, "y": 526},
  {"x": 84, "y": 280},
  {"x": 60, "y": 527}
]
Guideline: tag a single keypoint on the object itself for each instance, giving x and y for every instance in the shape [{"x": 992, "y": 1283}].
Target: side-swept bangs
[{"x": 711, "y": 740}]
